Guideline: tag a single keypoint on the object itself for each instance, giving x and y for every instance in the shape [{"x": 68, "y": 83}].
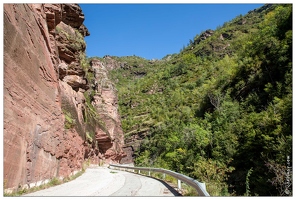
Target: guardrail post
[
  {"x": 149, "y": 173},
  {"x": 139, "y": 171},
  {"x": 163, "y": 176},
  {"x": 179, "y": 184}
]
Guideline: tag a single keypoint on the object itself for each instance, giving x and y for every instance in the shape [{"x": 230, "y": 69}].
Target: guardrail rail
[{"x": 200, "y": 187}]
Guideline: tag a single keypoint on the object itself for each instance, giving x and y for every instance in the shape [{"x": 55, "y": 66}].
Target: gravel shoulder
[{"x": 102, "y": 181}]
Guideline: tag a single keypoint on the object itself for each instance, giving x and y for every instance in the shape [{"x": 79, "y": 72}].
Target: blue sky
[{"x": 152, "y": 31}]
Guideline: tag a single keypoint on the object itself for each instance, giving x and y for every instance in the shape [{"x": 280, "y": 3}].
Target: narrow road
[{"x": 101, "y": 181}]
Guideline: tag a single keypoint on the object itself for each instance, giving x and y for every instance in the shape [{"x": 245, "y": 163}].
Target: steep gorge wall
[
  {"x": 105, "y": 101},
  {"x": 46, "y": 134}
]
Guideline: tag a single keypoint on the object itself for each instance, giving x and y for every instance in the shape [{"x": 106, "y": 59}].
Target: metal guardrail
[{"x": 200, "y": 187}]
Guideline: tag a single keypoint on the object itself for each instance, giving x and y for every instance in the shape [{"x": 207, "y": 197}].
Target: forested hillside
[{"x": 220, "y": 111}]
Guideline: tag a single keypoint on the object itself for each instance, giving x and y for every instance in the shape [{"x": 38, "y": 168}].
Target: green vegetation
[
  {"x": 76, "y": 39},
  {"x": 91, "y": 116},
  {"x": 247, "y": 182},
  {"x": 220, "y": 111},
  {"x": 69, "y": 121},
  {"x": 52, "y": 182},
  {"x": 189, "y": 191},
  {"x": 22, "y": 191},
  {"x": 84, "y": 63}
]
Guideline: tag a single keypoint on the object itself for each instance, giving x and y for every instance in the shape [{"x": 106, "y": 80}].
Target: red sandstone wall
[{"x": 36, "y": 144}]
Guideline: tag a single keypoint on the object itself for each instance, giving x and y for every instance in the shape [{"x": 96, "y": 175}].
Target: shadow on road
[{"x": 171, "y": 189}]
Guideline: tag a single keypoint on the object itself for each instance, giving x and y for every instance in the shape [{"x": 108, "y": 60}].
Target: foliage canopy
[{"x": 220, "y": 111}]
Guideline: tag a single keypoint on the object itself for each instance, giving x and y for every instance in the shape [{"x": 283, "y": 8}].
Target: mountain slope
[{"x": 220, "y": 110}]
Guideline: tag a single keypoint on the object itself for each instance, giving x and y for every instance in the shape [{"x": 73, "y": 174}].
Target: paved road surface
[{"x": 101, "y": 181}]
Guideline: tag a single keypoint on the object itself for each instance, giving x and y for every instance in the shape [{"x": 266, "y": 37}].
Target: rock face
[
  {"x": 46, "y": 133},
  {"x": 204, "y": 36},
  {"x": 106, "y": 92},
  {"x": 106, "y": 103}
]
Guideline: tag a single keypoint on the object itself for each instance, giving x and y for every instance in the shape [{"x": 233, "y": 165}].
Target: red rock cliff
[{"x": 46, "y": 133}]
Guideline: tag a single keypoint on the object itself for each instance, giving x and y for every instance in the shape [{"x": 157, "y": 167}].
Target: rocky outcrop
[
  {"x": 204, "y": 36},
  {"x": 107, "y": 93},
  {"x": 106, "y": 103},
  {"x": 46, "y": 133}
]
